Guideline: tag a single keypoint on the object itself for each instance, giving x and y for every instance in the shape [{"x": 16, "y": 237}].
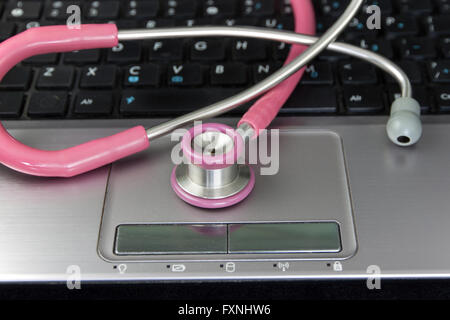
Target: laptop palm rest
[{"x": 302, "y": 212}]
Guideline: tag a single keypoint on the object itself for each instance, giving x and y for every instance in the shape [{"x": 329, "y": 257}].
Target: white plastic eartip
[{"x": 404, "y": 127}]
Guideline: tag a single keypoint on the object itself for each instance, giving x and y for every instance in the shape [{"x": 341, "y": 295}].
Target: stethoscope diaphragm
[{"x": 211, "y": 176}]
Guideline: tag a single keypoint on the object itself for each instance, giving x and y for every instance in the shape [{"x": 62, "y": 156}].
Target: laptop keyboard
[{"x": 166, "y": 78}]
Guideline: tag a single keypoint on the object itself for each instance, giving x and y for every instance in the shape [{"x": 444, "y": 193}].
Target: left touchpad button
[{"x": 171, "y": 239}]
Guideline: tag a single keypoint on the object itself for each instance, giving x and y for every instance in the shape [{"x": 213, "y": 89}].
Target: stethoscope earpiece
[
  {"x": 404, "y": 127},
  {"x": 211, "y": 176}
]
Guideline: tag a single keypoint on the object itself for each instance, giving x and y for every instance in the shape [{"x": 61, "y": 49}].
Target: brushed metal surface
[
  {"x": 400, "y": 197},
  {"x": 311, "y": 186}
]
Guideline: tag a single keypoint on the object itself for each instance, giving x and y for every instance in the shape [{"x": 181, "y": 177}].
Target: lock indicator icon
[{"x": 337, "y": 266}]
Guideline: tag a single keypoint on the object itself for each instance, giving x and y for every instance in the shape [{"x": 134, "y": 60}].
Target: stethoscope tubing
[
  {"x": 282, "y": 74},
  {"x": 91, "y": 155}
]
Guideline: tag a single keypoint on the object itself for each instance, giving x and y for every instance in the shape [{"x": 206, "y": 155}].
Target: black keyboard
[{"x": 167, "y": 78}]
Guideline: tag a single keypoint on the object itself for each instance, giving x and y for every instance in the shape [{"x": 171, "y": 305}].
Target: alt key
[{"x": 93, "y": 104}]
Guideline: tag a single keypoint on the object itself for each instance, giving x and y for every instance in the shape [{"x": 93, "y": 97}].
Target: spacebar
[{"x": 169, "y": 101}]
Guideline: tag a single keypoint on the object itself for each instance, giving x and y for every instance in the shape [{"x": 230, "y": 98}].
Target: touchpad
[{"x": 303, "y": 211}]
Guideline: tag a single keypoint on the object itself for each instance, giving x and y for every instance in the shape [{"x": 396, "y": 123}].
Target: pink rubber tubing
[
  {"x": 262, "y": 113},
  {"x": 73, "y": 161}
]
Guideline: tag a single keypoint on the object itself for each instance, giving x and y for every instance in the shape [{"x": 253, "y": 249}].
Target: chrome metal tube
[
  {"x": 212, "y": 178},
  {"x": 317, "y": 45},
  {"x": 276, "y": 35}
]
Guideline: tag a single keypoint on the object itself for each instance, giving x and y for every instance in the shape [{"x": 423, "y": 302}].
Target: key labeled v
[{"x": 177, "y": 69}]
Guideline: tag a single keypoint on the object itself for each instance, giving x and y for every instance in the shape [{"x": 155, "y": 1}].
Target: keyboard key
[
  {"x": 259, "y": 7},
  {"x": 48, "y": 104},
  {"x": 283, "y": 23},
  {"x": 417, "y": 48},
  {"x": 57, "y": 10},
  {"x": 21, "y": 27},
  {"x": 142, "y": 9},
  {"x": 417, "y": 7},
  {"x": 127, "y": 24},
  {"x": 6, "y": 30},
  {"x": 332, "y": 8},
  {"x": 286, "y": 9},
  {"x": 439, "y": 71},
  {"x": 249, "y": 50},
  {"x": 357, "y": 73},
  {"x": 193, "y": 22},
  {"x": 323, "y": 23},
  {"x": 142, "y": 76},
  {"x": 231, "y": 22},
  {"x": 220, "y": 8},
  {"x": 443, "y": 6},
  {"x": 94, "y": 103},
  {"x": 208, "y": 50},
  {"x": 98, "y": 77},
  {"x": 125, "y": 52},
  {"x": 158, "y": 23},
  {"x": 411, "y": 68},
  {"x": 357, "y": 29},
  {"x": 363, "y": 99},
  {"x": 381, "y": 47},
  {"x": 185, "y": 75},
  {"x": 438, "y": 25},
  {"x": 50, "y": 58},
  {"x": 55, "y": 78},
  {"x": 281, "y": 51},
  {"x": 24, "y": 10},
  {"x": 102, "y": 10},
  {"x": 82, "y": 57},
  {"x": 170, "y": 101},
  {"x": 311, "y": 100},
  {"x": 229, "y": 74},
  {"x": 11, "y": 104},
  {"x": 181, "y": 8},
  {"x": 445, "y": 47},
  {"x": 443, "y": 98},
  {"x": 318, "y": 73},
  {"x": 384, "y": 5},
  {"x": 262, "y": 71},
  {"x": 166, "y": 50},
  {"x": 401, "y": 25},
  {"x": 17, "y": 78}
]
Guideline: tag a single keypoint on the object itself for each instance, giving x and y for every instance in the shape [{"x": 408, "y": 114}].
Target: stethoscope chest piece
[{"x": 211, "y": 176}]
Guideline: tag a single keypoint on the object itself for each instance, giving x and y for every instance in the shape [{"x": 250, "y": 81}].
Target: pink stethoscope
[{"x": 195, "y": 183}]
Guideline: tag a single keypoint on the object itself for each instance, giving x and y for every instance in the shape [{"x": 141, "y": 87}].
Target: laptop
[{"x": 345, "y": 204}]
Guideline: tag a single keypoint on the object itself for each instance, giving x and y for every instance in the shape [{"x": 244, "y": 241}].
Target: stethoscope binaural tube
[{"x": 94, "y": 154}]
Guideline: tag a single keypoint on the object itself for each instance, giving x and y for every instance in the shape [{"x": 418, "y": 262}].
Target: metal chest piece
[{"x": 210, "y": 176}]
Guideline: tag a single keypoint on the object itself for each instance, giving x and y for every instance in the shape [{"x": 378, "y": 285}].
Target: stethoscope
[{"x": 209, "y": 179}]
